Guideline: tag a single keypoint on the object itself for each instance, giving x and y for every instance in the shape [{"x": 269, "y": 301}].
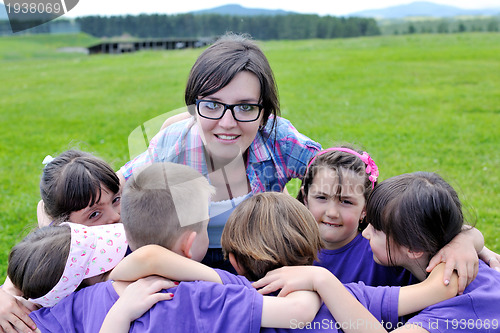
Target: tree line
[
  {"x": 293, "y": 26},
  {"x": 478, "y": 24}
]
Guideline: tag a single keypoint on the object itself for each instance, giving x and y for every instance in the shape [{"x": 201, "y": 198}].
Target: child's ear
[
  {"x": 414, "y": 254},
  {"x": 303, "y": 195},
  {"x": 232, "y": 259},
  {"x": 187, "y": 243},
  {"x": 363, "y": 214}
]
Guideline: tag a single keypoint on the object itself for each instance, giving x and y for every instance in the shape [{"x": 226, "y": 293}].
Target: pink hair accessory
[
  {"x": 371, "y": 167},
  {"x": 93, "y": 251}
]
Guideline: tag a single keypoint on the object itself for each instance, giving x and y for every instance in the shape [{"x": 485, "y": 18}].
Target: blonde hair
[
  {"x": 268, "y": 231},
  {"x": 162, "y": 201}
]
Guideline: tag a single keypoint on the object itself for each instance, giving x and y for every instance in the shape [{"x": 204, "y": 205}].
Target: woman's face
[
  {"x": 106, "y": 211},
  {"x": 226, "y": 138}
]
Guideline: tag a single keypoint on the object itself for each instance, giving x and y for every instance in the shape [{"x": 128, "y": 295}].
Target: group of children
[
  {"x": 106, "y": 260},
  {"x": 366, "y": 234}
]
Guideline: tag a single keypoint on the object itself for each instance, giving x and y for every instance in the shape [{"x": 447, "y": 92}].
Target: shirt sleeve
[
  {"x": 229, "y": 278},
  {"x": 142, "y": 160},
  {"x": 382, "y": 302},
  {"x": 298, "y": 149}
]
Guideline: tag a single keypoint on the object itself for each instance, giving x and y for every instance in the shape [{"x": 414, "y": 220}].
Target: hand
[
  {"x": 459, "y": 255},
  {"x": 141, "y": 295},
  {"x": 289, "y": 279},
  {"x": 491, "y": 258},
  {"x": 14, "y": 314}
]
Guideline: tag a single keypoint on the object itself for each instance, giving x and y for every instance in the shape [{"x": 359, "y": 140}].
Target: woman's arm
[
  {"x": 156, "y": 260},
  {"x": 174, "y": 119}
]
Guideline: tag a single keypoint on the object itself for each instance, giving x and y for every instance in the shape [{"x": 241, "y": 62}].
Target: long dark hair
[
  {"x": 420, "y": 211},
  {"x": 72, "y": 181}
]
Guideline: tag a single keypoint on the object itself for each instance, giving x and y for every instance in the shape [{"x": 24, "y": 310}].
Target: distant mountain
[
  {"x": 238, "y": 10},
  {"x": 423, "y": 8},
  {"x": 3, "y": 12}
]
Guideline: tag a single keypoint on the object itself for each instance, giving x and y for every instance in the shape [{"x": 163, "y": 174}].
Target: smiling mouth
[
  {"x": 333, "y": 225},
  {"x": 226, "y": 137}
]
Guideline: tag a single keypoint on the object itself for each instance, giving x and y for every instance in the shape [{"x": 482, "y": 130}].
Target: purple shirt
[
  {"x": 382, "y": 302},
  {"x": 354, "y": 262},
  {"x": 274, "y": 157},
  {"x": 197, "y": 307},
  {"x": 476, "y": 310}
]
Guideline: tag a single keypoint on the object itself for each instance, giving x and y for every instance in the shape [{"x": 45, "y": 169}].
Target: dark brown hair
[
  {"x": 37, "y": 263},
  {"x": 218, "y": 65},
  {"x": 420, "y": 211},
  {"x": 268, "y": 231},
  {"x": 72, "y": 181}
]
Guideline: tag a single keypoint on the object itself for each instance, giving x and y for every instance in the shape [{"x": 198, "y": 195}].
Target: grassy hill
[{"x": 415, "y": 102}]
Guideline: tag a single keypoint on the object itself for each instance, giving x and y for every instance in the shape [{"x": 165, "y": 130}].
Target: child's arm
[
  {"x": 343, "y": 306},
  {"x": 426, "y": 293},
  {"x": 461, "y": 254},
  {"x": 281, "y": 312},
  {"x": 135, "y": 299},
  {"x": 156, "y": 260},
  {"x": 490, "y": 257}
]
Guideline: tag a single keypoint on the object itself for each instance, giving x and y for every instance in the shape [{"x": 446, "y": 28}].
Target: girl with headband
[
  {"x": 75, "y": 186},
  {"x": 80, "y": 256},
  {"x": 335, "y": 189}
]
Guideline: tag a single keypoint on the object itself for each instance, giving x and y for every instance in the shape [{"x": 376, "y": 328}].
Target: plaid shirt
[{"x": 274, "y": 157}]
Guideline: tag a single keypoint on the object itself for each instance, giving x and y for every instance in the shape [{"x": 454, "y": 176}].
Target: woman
[{"x": 233, "y": 135}]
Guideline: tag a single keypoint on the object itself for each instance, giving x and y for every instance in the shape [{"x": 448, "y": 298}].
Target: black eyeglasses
[{"x": 244, "y": 112}]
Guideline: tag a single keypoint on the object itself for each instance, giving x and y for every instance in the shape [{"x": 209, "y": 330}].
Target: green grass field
[{"x": 419, "y": 102}]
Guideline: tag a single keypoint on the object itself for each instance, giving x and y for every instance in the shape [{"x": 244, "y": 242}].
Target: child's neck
[{"x": 417, "y": 267}]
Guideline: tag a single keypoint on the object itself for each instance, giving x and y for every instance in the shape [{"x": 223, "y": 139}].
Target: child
[
  {"x": 158, "y": 191},
  {"x": 86, "y": 253},
  {"x": 412, "y": 216},
  {"x": 335, "y": 189},
  {"x": 75, "y": 186},
  {"x": 79, "y": 187},
  {"x": 270, "y": 230},
  {"x": 233, "y": 135}
]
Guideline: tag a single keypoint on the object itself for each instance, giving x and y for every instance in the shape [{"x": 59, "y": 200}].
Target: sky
[{"x": 321, "y": 7}]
